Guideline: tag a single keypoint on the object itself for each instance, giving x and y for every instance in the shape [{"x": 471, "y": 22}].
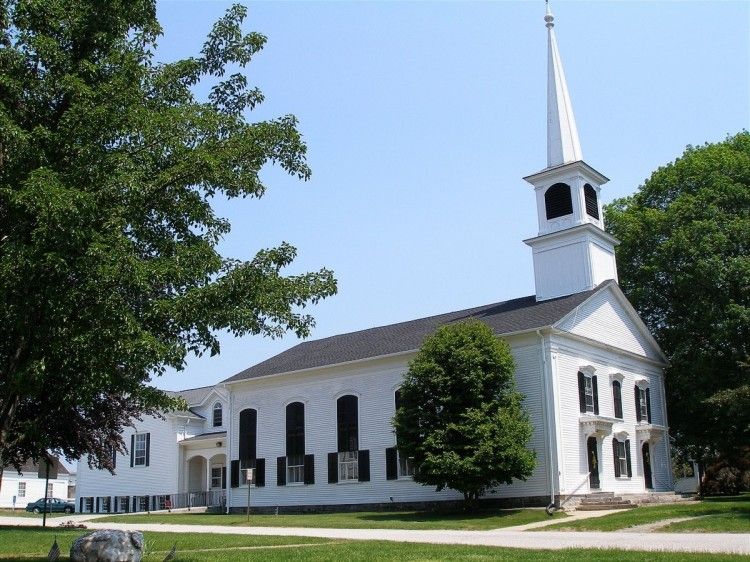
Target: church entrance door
[
  {"x": 647, "y": 466},
  {"x": 593, "y": 456}
]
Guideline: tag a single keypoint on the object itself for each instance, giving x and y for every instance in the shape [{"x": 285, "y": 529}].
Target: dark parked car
[{"x": 54, "y": 505}]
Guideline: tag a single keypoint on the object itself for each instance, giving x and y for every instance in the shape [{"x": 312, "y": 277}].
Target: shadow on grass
[
  {"x": 429, "y": 516},
  {"x": 742, "y": 498}
]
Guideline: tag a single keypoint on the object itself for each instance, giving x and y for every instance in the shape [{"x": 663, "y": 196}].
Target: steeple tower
[{"x": 572, "y": 252}]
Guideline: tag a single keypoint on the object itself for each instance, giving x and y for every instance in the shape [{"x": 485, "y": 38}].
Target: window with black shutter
[
  {"x": 294, "y": 463},
  {"x": 617, "y": 398},
  {"x": 248, "y": 434},
  {"x": 588, "y": 393},
  {"x": 558, "y": 201},
  {"x": 648, "y": 405},
  {"x": 347, "y": 424},
  {"x": 404, "y": 466},
  {"x": 592, "y": 205}
]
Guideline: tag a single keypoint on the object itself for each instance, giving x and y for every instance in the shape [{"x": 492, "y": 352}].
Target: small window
[
  {"x": 143, "y": 503},
  {"x": 216, "y": 476},
  {"x": 88, "y": 504},
  {"x": 589, "y": 393},
  {"x": 592, "y": 205},
  {"x": 139, "y": 458},
  {"x": 617, "y": 398},
  {"x": 295, "y": 443},
  {"x": 106, "y": 505},
  {"x": 295, "y": 469},
  {"x": 348, "y": 466},
  {"x": 622, "y": 461},
  {"x": 244, "y": 466},
  {"x": 558, "y": 201},
  {"x": 49, "y": 490},
  {"x": 22, "y": 489},
  {"x": 217, "y": 414},
  {"x": 405, "y": 466},
  {"x": 642, "y": 404}
]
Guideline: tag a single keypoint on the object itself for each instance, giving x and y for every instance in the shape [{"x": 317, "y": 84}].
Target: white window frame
[
  {"x": 295, "y": 469},
  {"x": 643, "y": 404},
  {"x": 22, "y": 489},
  {"x": 88, "y": 504},
  {"x": 348, "y": 466},
  {"x": 123, "y": 505},
  {"x": 405, "y": 466},
  {"x": 220, "y": 468},
  {"x": 588, "y": 391},
  {"x": 50, "y": 489},
  {"x": 244, "y": 465},
  {"x": 220, "y": 409},
  {"x": 622, "y": 458},
  {"x": 139, "y": 449},
  {"x": 105, "y": 504}
]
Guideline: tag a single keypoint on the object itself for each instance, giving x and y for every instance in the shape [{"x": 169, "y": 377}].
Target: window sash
[
  {"x": 244, "y": 465},
  {"x": 643, "y": 404},
  {"x": 50, "y": 489},
  {"x": 22, "y": 489},
  {"x": 348, "y": 466},
  {"x": 405, "y": 466},
  {"x": 88, "y": 504},
  {"x": 218, "y": 415},
  {"x": 295, "y": 469},
  {"x": 139, "y": 455},
  {"x": 216, "y": 476},
  {"x": 622, "y": 458},
  {"x": 588, "y": 386}
]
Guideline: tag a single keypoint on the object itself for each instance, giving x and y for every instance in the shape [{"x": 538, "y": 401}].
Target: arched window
[
  {"x": 295, "y": 443},
  {"x": 557, "y": 201},
  {"x": 592, "y": 205},
  {"x": 248, "y": 442},
  {"x": 217, "y": 414},
  {"x": 347, "y": 424},
  {"x": 617, "y": 398},
  {"x": 405, "y": 464}
]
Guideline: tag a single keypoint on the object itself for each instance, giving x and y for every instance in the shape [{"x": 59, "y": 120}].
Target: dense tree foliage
[
  {"x": 109, "y": 269},
  {"x": 683, "y": 263},
  {"x": 461, "y": 417}
]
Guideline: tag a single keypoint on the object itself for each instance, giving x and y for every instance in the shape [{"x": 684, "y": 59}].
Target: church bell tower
[{"x": 572, "y": 252}]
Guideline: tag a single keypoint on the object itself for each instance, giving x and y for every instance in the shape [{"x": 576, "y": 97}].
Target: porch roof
[{"x": 203, "y": 436}]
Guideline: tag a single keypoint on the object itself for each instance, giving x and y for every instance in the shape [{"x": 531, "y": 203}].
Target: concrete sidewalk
[{"x": 510, "y": 538}]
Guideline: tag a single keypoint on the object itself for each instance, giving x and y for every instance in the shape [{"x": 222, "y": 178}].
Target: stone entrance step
[{"x": 605, "y": 506}]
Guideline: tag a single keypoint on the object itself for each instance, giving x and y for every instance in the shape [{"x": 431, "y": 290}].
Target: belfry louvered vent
[
  {"x": 557, "y": 201},
  {"x": 592, "y": 205}
]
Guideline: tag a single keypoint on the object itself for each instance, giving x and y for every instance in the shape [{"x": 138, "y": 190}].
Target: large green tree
[
  {"x": 684, "y": 263},
  {"x": 461, "y": 417},
  {"x": 109, "y": 269}
]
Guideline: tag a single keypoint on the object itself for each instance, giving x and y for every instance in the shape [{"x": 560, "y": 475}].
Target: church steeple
[
  {"x": 563, "y": 145},
  {"x": 572, "y": 252}
]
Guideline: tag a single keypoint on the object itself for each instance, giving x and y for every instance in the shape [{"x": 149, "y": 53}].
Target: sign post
[
  {"x": 250, "y": 480},
  {"x": 46, "y": 471}
]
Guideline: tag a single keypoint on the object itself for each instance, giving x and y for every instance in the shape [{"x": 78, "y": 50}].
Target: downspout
[
  {"x": 545, "y": 380},
  {"x": 228, "y": 463}
]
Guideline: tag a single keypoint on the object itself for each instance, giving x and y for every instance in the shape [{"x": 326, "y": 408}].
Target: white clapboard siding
[
  {"x": 604, "y": 318},
  {"x": 34, "y": 488}
]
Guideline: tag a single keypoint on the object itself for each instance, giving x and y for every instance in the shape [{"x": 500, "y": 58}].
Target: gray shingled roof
[
  {"x": 32, "y": 466},
  {"x": 506, "y": 317},
  {"x": 210, "y": 435},
  {"x": 193, "y": 396}
]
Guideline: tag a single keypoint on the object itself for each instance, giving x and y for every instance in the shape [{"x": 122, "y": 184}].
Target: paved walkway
[{"x": 509, "y": 537}]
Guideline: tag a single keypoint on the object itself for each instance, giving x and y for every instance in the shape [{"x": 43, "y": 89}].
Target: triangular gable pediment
[{"x": 608, "y": 317}]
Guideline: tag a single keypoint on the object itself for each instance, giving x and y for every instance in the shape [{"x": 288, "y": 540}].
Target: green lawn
[
  {"x": 23, "y": 513},
  {"x": 482, "y": 520},
  {"x": 727, "y": 515},
  {"x": 32, "y": 544}
]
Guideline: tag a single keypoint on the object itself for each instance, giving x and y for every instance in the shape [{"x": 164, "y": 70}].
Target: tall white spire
[{"x": 563, "y": 145}]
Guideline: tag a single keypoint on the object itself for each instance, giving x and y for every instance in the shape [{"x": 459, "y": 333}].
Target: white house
[
  {"x": 20, "y": 488},
  {"x": 314, "y": 421}
]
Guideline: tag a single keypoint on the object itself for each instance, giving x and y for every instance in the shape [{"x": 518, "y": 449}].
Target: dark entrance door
[
  {"x": 647, "y": 466},
  {"x": 593, "y": 457}
]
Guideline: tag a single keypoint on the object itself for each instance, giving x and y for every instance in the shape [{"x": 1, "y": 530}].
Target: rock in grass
[{"x": 108, "y": 546}]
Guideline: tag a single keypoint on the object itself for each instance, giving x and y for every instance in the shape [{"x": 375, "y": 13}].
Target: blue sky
[{"x": 421, "y": 119}]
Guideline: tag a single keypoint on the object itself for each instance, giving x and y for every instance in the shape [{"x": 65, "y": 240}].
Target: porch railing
[{"x": 152, "y": 502}]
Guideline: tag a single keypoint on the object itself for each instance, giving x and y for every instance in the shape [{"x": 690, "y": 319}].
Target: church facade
[{"x": 310, "y": 427}]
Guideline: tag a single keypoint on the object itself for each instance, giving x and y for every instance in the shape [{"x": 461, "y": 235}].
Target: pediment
[{"x": 607, "y": 317}]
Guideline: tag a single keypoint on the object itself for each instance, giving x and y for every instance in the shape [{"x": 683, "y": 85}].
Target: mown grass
[
  {"x": 481, "y": 520},
  {"x": 32, "y": 544},
  {"x": 733, "y": 511},
  {"x": 23, "y": 513}
]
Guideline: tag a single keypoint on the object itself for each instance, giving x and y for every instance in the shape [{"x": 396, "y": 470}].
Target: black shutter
[
  {"x": 132, "y": 449},
  {"x": 333, "y": 468},
  {"x": 135, "y": 504},
  {"x": 114, "y": 457},
  {"x": 582, "y": 391},
  {"x": 648, "y": 404},
  {"x": 248, "y": 434},
  {"x": 617, "y": 392},
  {"x": 617, "y": 457},
  {"x": 627, "y": 457},
  {"x": 637, "y": 393},
  {"x": 223, "y": 477},
  {"x": 148, "y": 447},
  {"x": 363, "y": 462},
  {"x": 596, "y": 395},
  {"x": 80, "y": 505},
  {"x": 309, "y": 469},
  {"x": 260, "y": 473},
  {"x": 97, "y": 505},
  {"x": 234, "y": 474},
  {"x": 115, "y": 502},
  {"x": 391, "y": 463},
  {"x": 281, "y": 471}
]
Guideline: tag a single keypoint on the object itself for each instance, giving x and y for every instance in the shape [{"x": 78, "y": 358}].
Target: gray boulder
[{"x": 108, "y": 546}]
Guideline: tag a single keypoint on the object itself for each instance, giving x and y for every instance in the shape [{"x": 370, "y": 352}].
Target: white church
[{"x": 314, "y": 422}]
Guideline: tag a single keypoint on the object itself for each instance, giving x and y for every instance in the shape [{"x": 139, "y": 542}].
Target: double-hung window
[
  {"x": 588, "y": 393},
  {"x": 139, "y": 452},
  {"x": 218, "y": 415},
  {"x": 405, "y": 466},
  {"x": 295, "y": 443},
  {"x": 621, "y": 451},
  {"x": 617, "y": 398},
  {"x": 348, "y": 466},
  {"x": 22, "y": 489},
  {"x": 642, "y": 404},
  {"x": 621, "y": 458},
  {"x": 347, "y": 414},
  {"x": 49, "y": 489},
  {"x": 216, "y": 472}
]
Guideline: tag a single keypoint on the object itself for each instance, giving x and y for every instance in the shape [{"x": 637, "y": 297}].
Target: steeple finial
[{"x": 563, "y": 145}]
